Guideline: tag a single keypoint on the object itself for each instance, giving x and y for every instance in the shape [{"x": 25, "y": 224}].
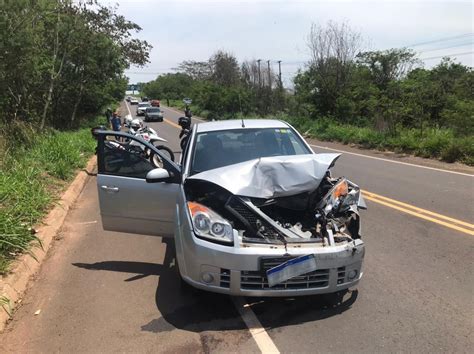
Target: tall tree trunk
[
  {"x": 54, "y": 76},
  {"x": 47, "y": 103},
  {"x": 78, "y": 101}
]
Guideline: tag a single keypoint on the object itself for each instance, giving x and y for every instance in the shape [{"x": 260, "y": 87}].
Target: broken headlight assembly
[
  {"x": 342, "y": 197},
  {"x": 209, "y": 225}
]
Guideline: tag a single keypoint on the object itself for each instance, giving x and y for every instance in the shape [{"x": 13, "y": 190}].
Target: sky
[{"x": 277, "y": 30}]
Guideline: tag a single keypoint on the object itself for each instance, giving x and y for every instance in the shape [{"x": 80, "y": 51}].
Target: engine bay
[{"x": 327, "y": 215}]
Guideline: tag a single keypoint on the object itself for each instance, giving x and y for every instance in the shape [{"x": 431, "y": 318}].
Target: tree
[
  {"x": 171, "y": 86},
  {"x": 388, "y": 65},
  {"x": 197, "y": 70},
  {"x": 332, "y": 49},
  {"x": 57, "y": 53},
  {"x": 225, "y": 69}
]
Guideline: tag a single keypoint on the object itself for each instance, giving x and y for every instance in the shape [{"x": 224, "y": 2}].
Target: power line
[
  {"x": 452, "y": 46},
  {"x": 448, "y": 55},
  {"x": 441, "y": 39},
  {"x": 294, "y": 62}
]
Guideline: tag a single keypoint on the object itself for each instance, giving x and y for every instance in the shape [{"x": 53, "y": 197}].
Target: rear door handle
[{"x": 110, "y": 189}]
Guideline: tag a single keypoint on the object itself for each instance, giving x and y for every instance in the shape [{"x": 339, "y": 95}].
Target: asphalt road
[{"x": 106, "y": 292}]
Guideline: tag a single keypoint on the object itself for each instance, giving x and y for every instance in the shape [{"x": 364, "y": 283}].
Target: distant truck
[{"x": 155, "y": 103}]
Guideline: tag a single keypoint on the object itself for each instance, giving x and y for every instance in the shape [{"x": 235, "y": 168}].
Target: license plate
[{"x": 291, "y": 268}]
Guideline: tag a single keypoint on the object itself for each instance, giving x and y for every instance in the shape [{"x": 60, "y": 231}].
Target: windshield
[
  {"x": 221, "y": 148},
  {"x": 146, "y": 104},
  {"x": 153, "y": 110}
]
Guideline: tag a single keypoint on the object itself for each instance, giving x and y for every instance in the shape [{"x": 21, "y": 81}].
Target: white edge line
[
  {"x": 392, "y": 161},
  {"x": 259, "y": 334}
]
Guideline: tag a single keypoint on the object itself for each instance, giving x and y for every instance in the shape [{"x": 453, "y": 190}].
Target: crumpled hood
[{"x": 271, "y": 177}]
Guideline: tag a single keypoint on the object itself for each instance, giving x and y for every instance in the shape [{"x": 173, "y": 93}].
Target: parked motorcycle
[{"x": 150, "y": 135}]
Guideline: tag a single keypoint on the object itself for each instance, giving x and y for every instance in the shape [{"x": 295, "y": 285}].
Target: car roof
[{"x": 237, "y": 124}]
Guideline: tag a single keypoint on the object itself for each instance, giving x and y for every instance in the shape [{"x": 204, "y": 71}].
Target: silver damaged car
[{"x": 252, "y": 209}]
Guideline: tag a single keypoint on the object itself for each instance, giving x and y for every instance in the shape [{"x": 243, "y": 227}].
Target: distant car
[
  {"x": 133, "y": 101},
  {"x": 155, "y": 103},
  {"x": 129, "y": 98},
  {"x": 153, "y": 114},
  {"x": 142, "y": 106},
  {"x": 145, "y": 99}
]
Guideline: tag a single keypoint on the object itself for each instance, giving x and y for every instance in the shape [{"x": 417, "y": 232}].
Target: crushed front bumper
[{"x": 241, "y": 270}]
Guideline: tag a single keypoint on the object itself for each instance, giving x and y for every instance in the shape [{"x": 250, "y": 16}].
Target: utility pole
[
  {"x": 259, "y": 78},
  {"x": 269, "y": 75},
  {"x": 279, "y": 73}
]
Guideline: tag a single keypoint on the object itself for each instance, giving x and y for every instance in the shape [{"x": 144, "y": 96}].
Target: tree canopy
[{"x": 62, "y": 59}]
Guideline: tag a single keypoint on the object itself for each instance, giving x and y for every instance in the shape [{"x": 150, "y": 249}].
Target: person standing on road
[{"x": 116, "y": 122}]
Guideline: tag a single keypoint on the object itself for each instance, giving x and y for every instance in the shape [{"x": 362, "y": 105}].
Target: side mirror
[{"x": 157, "y": 175}]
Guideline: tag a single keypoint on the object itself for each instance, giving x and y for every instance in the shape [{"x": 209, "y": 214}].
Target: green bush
[
  {"x": 405, "y": 141},
  {"x": 434, "y": 142}
]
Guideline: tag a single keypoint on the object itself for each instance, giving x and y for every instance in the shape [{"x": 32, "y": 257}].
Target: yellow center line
[
  {"x": 416, "y": 209},
  {"x": 172, "y": 123},
  {"x": 422, "y": 216}
]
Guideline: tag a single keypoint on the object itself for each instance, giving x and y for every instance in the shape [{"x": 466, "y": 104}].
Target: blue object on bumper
[{"x": 292, "y": 268}]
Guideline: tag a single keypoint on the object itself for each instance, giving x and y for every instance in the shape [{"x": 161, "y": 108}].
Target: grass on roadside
[{"x": 31, "y": 179}]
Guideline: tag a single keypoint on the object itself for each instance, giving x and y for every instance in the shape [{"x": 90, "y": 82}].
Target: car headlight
[
  {"x": 210, "y": 225},
  {"x": 335, "y": 196}
]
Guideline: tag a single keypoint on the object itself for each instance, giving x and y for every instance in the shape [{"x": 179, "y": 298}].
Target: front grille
[
  {"x": 225, "y": 278},
  {"x": 257, "y": 280},
  {"x": 341, "y": 275}
]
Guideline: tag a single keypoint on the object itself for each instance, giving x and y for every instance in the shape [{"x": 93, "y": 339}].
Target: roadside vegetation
[
  {"x": 31, "y": 180},
  {"x": 378, "y": 99},
  {"x": 62, "y": 64}
]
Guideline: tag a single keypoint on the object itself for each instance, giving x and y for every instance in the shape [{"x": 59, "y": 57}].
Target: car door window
[{"x": 127, "y": 160}]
